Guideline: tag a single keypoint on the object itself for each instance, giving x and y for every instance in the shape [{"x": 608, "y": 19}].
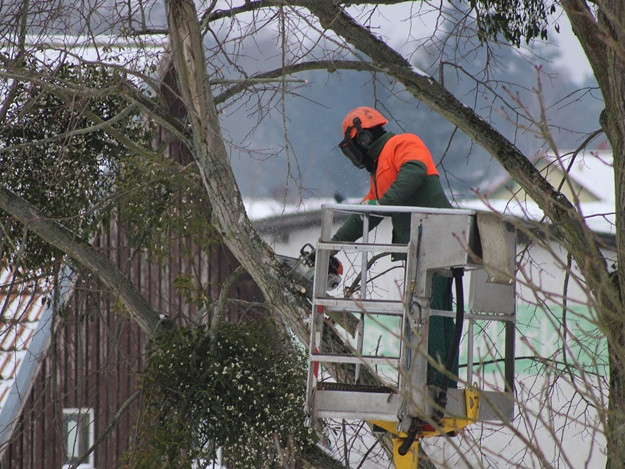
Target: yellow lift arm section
[{"x": 447, "y": 425}]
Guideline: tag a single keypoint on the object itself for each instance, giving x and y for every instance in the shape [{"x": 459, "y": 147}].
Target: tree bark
[
  {"x": 281, "y": 290},
  {"x": 209, "y": 151},
  {"x": 603, "y": 39}
]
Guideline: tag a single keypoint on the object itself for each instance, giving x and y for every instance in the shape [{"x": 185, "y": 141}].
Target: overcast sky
[{"x": 573, "y": 57}]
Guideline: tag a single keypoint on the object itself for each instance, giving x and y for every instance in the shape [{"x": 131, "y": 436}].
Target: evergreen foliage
[
  {"x": 513, "y": 19},
  {"x": 238, "y": 390},
  {"x": 48, "y": 158},
  {"x": 162, "y": 202}
]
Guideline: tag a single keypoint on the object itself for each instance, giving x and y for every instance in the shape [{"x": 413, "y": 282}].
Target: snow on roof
[
  {"x": 258, "y": 209},
  {"x": 25, "y": 331},
  {"x": 591, "y": 172},
  {"x": 21, "y": 310}
]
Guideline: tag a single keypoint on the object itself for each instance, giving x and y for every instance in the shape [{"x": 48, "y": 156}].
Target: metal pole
[
  {"x": 363, "y": 291},
  {"x": 470, "y": 332}
]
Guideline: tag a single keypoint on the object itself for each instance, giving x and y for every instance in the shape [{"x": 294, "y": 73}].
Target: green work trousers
[{"x": 441, "y": 331}]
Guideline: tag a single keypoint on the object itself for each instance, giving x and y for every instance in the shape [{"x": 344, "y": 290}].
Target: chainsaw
[{"x": 304, "y": 265}]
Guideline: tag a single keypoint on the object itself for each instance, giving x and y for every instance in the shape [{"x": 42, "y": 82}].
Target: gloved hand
[
  {"x": 335, "y": 266},
  {"x": 371, "y": 202},
  {"x": 335, "y": 270}
]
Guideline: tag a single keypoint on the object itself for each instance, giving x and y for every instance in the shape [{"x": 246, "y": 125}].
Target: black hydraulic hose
[
  {"x": 417, "y": 424},
  {"x": 411, "y": 435}
]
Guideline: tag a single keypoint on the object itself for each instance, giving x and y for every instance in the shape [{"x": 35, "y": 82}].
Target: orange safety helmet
[
  {"x": 368, "y": 116},
  {"x": 356, "y": 136}
]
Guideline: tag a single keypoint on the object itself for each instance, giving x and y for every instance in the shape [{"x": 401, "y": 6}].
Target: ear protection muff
[{"x": 363, "y": 136}]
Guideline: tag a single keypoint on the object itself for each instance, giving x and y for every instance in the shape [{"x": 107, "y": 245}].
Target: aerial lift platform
[{"x": 446, "y": 242}]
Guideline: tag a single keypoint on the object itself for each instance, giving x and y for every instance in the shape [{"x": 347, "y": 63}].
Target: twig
[{"x": 107, "y": 430}]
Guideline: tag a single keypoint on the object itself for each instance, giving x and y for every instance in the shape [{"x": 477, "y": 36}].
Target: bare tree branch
[{"x": 87, "y": 256}]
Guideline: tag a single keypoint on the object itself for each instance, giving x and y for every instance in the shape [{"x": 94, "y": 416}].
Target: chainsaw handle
[{"x": 308, "y": 256}]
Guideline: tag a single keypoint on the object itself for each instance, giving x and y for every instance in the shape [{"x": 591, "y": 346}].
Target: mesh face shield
[{"x": 350, "y": 150}]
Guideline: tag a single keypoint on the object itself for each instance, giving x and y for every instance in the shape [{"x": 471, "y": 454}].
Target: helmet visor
[{"x": 350, "y": 150}]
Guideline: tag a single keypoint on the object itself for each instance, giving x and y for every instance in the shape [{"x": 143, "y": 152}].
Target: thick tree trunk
[
  {"x": 280, "y": 288},
  {"x": 614, "y": 125},
  {"x": 603, "y": 39},
  {"x": 286, "y": 297},
  {"x": 210, "y": 153}
]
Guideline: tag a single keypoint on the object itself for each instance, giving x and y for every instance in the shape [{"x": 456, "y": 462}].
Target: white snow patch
[{"x": 257, "y": 209}]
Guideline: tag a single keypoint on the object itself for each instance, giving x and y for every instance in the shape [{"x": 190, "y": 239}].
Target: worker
[{"x": 402, "y": 173}]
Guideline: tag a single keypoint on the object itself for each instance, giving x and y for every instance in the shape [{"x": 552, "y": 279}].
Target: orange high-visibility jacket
[{"x": 397, "y": 150}]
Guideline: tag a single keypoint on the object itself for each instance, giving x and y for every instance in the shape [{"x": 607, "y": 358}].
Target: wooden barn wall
[{"x": 96, "y": 351}]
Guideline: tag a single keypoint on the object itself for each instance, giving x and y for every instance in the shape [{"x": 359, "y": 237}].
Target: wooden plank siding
[{"x": 96, "y": 352}]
